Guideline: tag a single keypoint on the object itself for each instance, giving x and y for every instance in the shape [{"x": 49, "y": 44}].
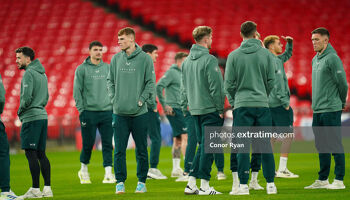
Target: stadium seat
[
  {"x": 60, "y": 32},
  {"x": 179, "y": 19}
]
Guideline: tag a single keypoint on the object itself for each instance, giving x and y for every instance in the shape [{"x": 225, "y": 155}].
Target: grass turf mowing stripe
[{"x": 65, "y": 182}]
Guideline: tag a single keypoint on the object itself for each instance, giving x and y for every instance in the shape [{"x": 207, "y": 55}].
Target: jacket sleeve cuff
[
  {"x": 142, "y": 99},
  {"x": 163, "y": 105},
  {"x": 285, "y": 104},
  {"x": 80, "y": 111}
]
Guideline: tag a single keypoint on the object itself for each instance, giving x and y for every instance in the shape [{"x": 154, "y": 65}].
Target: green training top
[
  {"x": 280, "y": 95},
  {"x": 249, "y": 75},
  {"x": 202, "y": 82},
  {"x": 171, "y": 83},
  {"x": 131, "y": 79},
  {"x": 90, "y": 87},
  {"x": 34, "y": 93},
  {"x": 2, "y": 97},
  {"x": 329, "y": 85}
]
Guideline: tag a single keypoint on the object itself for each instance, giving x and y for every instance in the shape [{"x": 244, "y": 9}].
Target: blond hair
[
  {"x": 126, "y": 31},
  {"x": 270, "y": 40},
  {"x": 200, "y": 32},
  {"x": 180, "y": 55}
]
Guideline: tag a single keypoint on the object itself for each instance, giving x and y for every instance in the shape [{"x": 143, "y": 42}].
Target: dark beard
[{"x": 23, "y": 67}]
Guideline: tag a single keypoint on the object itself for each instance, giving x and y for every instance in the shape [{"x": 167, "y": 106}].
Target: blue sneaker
[
  {"x": 141, "y": 188},
  {"x": 120, "y": 188}
]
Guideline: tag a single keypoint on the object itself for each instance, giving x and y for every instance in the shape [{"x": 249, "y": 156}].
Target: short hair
[
  {"x": 200, "y": 32},
  {"x": 180, "y": 55},
  {"x": 126, "y": 31},
  {"x": 248, "y": 29},
  {"x": 27, "y": 51},
  {"x": 258, "y": 35},
  {"x": 321, "y": 30},
  {"x": 95, "y": 43},
  {"x": 149, "y": 48},
  {"x": 270, "y": 40}
]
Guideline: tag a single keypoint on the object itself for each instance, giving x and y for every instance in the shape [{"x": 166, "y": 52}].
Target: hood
[
  {"x": 250, "y": 46},
  {"x": 37, "y": 66},
  {"x": 133, "y": 54},
  {"x": 88, "y": 61},
  {"x": 197, "y": 51},
  {"x": 329, "y": 50},
  {"x": 175, "y": 67}
]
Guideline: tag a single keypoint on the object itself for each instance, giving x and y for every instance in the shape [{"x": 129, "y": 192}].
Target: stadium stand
[
  {"x": 295, "y": 18},
  {"x": 60, "y": 31}
]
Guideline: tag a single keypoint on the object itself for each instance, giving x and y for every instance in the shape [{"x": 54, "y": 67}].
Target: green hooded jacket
[
  {"x": 34, "y": 93},
  {"x": 2, "y": 97},
  {"x": 171, "y": 83},
  {"x": 131, "y": 79},
  {"x": 280, "y": 95},
  {"x": 90, "y": 87},
  {"x": 202, "y": 82},
  {"x": 249, "y": 75},
  {"x": 329, "y": 85}
]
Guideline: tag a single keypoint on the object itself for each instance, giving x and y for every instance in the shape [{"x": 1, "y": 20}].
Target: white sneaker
[
  {"x": 271, "y": 188},
  {"x": 191, "y": 190},
  {"x": 242, "y": 189},
  {"x": 254, "y": 185},
  {"x": 47, "y": 192},
  {"x": 32, "y": 193},
  {"x": 8, "y": 193},
  {"x": 286, "y": 174},
  {"x": 318, "y": 184},
  {"x": 336, "y": 185},
  {"x": 9, "y": 196},
  {"x": 155, "y": 174},
  {"x": 221, "y": 176},
  {"x": 84, "y": 177},
  {"x": 109, "y": 178},
  {"x": 183, "y": 178},
  {"x": 210, "y": 191},
  {"x": 176, "y": 172}
]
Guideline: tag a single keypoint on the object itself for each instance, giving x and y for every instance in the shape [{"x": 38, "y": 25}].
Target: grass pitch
[{"x": 66, "y": 185}]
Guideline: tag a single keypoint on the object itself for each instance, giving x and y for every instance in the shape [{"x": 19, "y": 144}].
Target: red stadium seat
[
  {"x": 179, "y": 18},
  {"x": 60, "y": 32}
]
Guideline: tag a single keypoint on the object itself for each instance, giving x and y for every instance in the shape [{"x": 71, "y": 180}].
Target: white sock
[
  {"x": 191, "y": 181},
  {"x": 283, "y": 164},
  {"x": 243, "y": 185},
  {"x": 108, "y": 170},
  {"x": 36, "y": 189},
  {"x": 204, "y": 184},
  {"x": 47, "y": 187},
  {"x": 254, "y": 176},
  {"x": 84, "y": 168},
  {"x": 235, "y": 182},
  {"x": 235, "y": 176},
  {"x": 270, "y": 184},
  {"x": 176, "y": 163}
]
